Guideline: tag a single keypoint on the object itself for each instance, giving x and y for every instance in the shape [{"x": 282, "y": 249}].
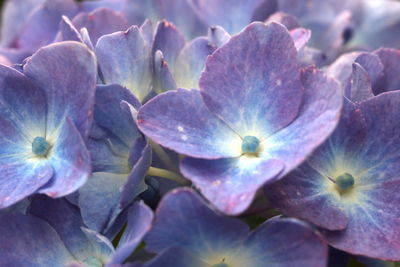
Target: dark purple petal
[
  {"x": 124, "y": 58},
  {"x": 254, "y": 97},
  {"x": 184, "y": 219},
  {"x": 66, "y": 72},
  {"x": 231, "y": 184},
  {"x": 139, "y": 221},
  {"x": 27, "y": 241},
  {"x": 179, "y": 120},
  {"x": 70, "y": 160}
]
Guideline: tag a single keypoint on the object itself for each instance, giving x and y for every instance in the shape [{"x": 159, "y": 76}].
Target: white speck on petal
[
  {"x": 180, "y": 128},
  {"x": 216, "y": 183},
  {"x": 184, "y": 137},
  {"x": 279, "y": 82}
]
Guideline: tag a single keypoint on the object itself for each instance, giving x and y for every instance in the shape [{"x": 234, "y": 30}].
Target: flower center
[
  {"x": 40, "y": 146},
  {"x": 250, "y": 144},
  {"x": 93, "y": 262},
  {"x": 222, "y": 264},
  {"x": 344, "y": 181}
]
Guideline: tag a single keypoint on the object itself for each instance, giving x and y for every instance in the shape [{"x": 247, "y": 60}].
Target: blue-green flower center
[
  {"x": 344, "y": 181},
  {"x": 250, "y": 144},
  {"x": 40, "y": 146},
  {"x": 93, "y": 262}
]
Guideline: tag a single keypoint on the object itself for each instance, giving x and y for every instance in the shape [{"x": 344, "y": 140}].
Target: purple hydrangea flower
[
  {"x": 120, "y": 159},
  {"x": 349, "y": 185},
  {"x": 188, "y": 232},
  {"x": 45, "y": 114},
  {"x": 52, "y": 234},
  {"x": 255, "y": 116}
]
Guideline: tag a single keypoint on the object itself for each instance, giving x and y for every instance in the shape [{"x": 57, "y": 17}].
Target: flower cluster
[{"x": 199, "y": 133}]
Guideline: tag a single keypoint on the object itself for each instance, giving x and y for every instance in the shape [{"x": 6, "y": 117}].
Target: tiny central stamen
[
  {"x": 40, "y": 146},
  {"x": 344, "y": 181},
  {"x": 250, "y": 144}
]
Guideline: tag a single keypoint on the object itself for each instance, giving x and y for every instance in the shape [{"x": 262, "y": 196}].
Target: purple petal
[
  {"x": 14, "y": 14},
  {"x": 252, "y": 97},
  {"x": 231, "y": 15},
  {"x": 66, "y": 72},
  {"x": 139, "y": 221},
  {"x": 217, "y": 36},
  {"x": 68, "y": 32},
  {"x": 21, "y": 178},
  {"x": 364, "y": 145},
  {"x": 180, "y": 13},
  {"x": 176, "y": 257},
  {"x": 168, "y": 40},
  {"x": 109, "y": 115},
  {"x": 163, "y": 78},
  {"x": 27, "y": 241},
  {"x": 100, "y": 22},
  {"x": 282, "y": 242},
  {"x": 300, "y": 37},
  {"x": 191, "y": 61},
  {"x": 42, "y": 25},
  {"x": 193, "y": 226},
  {"x": 70, "y": 160},
  {"x": 359, "y": 87},
  {"x": 65, "y": 219},
  {"x": 180, "y": 121},
  {"x": 99, "y": 198},
  {"x": 317, "y": 119},
  {"x": 225, "y": 182},
  {"x": 390, "y": 81},
  {"x": 22, "y": 173},
  {"x": 289, "y": 21},
  {"x": 124, "y": 58}
]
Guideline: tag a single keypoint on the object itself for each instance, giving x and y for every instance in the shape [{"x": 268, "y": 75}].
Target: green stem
[
  {"x": 153, "y": 171},
  {"x": 163, "y": 156}
]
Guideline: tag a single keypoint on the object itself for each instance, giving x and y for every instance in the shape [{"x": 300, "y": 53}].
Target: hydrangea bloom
[
  {"x": 198, "y": 236},
  {"x": 45, "y": 116},
  {"x": 349, "y": 185},
  {"x": 120, "y": 159},
  {"x": 248, "y": 119},
  {"x": 52, "y": 234}
]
